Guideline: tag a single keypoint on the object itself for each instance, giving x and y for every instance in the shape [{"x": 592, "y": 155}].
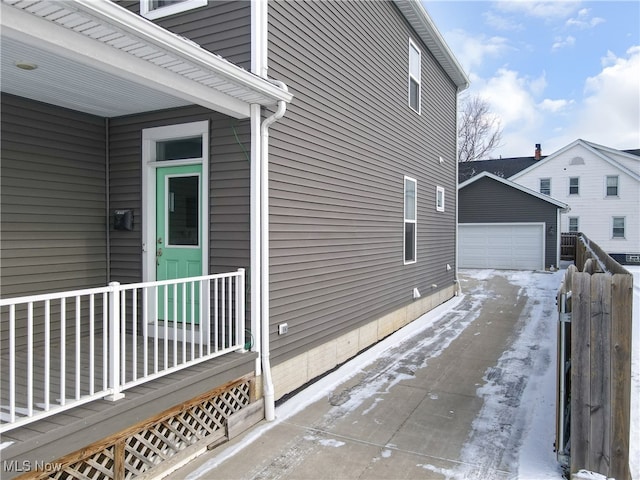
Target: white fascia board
[
  {"x": 154, "y": 34},
  {"x": 422, "y": 23},
  {"x": 51, "y": 37}
]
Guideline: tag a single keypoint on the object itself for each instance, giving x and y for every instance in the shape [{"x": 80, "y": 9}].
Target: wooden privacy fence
[{"x": 594, "y": 364}]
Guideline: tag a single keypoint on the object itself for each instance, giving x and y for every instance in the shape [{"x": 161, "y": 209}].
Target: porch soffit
[{"x": 100, "y": 58}]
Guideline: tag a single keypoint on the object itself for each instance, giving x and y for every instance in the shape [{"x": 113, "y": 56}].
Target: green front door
[{"x": 179, "y": 240}]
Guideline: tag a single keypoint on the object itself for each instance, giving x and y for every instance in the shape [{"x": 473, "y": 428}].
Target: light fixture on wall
[{"x": 26, "y": 66}]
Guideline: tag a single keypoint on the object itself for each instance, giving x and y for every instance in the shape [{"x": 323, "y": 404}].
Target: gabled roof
[
  {"x": 421, "y": 22},
  {"x": 511, "y": 184},
  {"x": 501, "y": 167},
  {"x": 598, "y": 150}
]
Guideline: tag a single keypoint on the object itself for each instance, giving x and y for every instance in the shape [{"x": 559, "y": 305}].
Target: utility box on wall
[{"x": 123, "y": 220}]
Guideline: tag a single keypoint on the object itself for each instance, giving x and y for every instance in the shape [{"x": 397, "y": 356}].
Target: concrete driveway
[{"x": 450, "y": 396}]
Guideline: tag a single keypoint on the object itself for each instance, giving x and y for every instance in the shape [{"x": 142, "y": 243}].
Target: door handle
[{"x": 158, "y": 255}]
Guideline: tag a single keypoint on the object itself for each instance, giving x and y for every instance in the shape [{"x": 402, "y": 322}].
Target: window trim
[
  {"x": 440, "y": 194},
  {"x": 418, "y": 79},
  {"x": 624, "y": 228},
  {"x": 577, "y": 186},
  {"x": 577, "y": 219},
  {"x": 413, "y": 221},
  {"x": 540, "y": 186},
  {"x": 606, "y": 186},
  {"x": 165, "y": 11}
]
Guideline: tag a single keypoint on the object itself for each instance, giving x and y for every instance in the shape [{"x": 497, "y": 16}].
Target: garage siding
[{"x": 489, "y": 201}]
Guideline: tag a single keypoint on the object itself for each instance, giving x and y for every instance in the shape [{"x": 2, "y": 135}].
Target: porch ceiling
[{"x": 99, "y": 58}]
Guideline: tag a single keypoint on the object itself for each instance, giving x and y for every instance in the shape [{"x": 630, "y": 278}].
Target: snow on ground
[{"x": 534, "y": 413}]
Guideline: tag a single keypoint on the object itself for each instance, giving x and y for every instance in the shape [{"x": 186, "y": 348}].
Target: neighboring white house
[{"x": 601, "y": 185}]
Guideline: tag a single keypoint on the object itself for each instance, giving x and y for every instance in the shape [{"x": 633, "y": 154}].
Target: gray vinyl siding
[
  {"x": 489, "y": 201},
  {"x": 337, "y": 164},
  {"x": 222, "y": 27},
  {"x": 53, "y": 199},
  {"x": 229, "y": 174}
]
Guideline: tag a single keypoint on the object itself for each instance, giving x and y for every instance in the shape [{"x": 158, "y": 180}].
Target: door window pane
[{"x": 183, "y": 210}]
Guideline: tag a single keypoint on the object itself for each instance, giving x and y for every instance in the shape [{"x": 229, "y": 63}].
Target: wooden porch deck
[{"x": 65, "y": 432}]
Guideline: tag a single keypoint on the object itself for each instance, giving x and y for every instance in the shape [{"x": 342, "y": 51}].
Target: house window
[
  {"x": 415, "y": 66},
  {"x": 410, "y": 222},
  {"x": 573, "y": 224},
  {"x": 574, "y": 186},
  {"x": 162, "y": 8},
  {"x": 618, "y": 227},
  {"x": 440, "y": 199},
  {"x": 612, "y": 186},
  {"x": 545, "y": 186}
]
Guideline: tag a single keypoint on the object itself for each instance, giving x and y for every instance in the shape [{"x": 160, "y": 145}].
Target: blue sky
[{"x": 552, "y": 72}]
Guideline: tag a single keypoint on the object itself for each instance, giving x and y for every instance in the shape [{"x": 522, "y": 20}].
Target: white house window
[
  {"x": 618, "y": 227},
  {"x": 545, "y": 186},
  {"x": 415, "y": 67},
  {"x": 440, "y": 199},
  {"x": 574, "y": 226},
  {"x": 410, "y": 219},
  {"x": 612, "y": 186},
  {"x": 162, "y": 8},
  {"x": 574, "y": 186}
]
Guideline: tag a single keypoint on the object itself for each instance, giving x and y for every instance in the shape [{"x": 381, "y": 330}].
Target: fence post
[
  {"x": 600, "y": 366},
  {"x": 580, "y": 370},
  {"x": 114, "y": 342},
  {"x": 621, "y": 318}
]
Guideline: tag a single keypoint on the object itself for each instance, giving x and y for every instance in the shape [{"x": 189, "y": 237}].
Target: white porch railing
[{"x": 65, "y": 349}]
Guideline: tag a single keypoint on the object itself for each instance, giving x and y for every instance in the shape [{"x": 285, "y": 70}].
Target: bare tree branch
[{"x": 479, "y": 131}]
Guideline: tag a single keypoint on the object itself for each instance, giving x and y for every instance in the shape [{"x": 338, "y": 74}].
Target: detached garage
[{"x": 504, "y": 225}]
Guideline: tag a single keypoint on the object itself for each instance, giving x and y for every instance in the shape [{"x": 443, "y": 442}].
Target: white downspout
[
  {"x": 267, "y": 382},
  {"x": 456, "y": 279}
]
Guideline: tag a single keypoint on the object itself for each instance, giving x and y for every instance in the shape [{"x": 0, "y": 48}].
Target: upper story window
[
  {"x": 612, "y": 186},
  {"x": 415, "y": 67},
  {"x": 545, "y": 186},
  {"x": 574, "y": 224},
  {"x": 410, "y": 219},
  {"x": 162, "y": 8},
  {"x": 440, "y": 199},
  {"x": 574, "y": 186},
  {"x": 618, "y": 227}
]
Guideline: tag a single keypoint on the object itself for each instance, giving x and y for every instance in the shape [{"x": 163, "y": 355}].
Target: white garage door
[{"x": 514, "y": 246}]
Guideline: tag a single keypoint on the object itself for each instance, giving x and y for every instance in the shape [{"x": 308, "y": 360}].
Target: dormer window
[{"x": 162, "y": 8}]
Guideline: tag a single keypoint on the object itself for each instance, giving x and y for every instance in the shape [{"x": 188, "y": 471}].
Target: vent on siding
[{"x": 577, "y": 161}]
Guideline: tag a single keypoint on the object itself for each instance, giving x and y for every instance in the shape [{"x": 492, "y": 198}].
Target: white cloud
[
  {"x": 554, "y": 106},
  {"x": 582, "y": 20},
  {"x": 545, "y": 10},
  {"x": 500, "y": 22},
  {"x": 471, "y": 51},
  {"x": 560, "y": 42},
  {"x": 609, "y": 113}
]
